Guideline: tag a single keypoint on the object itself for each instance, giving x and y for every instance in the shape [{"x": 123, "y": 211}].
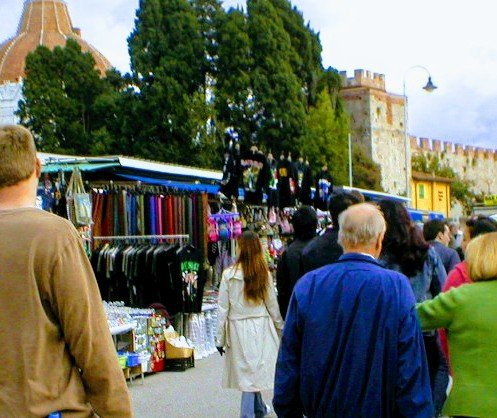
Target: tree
[
  {"x": 168, "y": 66},
  {"x": 366, "y": 172},
  {"x": 461, "y": 189},
  {"x": 278, "y": 98},
  {"x": 209, "y": 13},
  {"x": 61, "y": 93},
  {"x": 325, "y": 141},
  {"x": 234, "y": 101},
  {"x": 305, "y": 58}
]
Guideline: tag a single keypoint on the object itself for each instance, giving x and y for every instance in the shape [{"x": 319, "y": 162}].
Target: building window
[{"x": 421, "y": 191}]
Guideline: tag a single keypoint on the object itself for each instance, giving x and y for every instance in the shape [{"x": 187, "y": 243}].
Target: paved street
[{"x": 195, "y": 393}]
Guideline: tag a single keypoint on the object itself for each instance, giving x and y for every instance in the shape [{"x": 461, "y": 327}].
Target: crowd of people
[
  {"x": 368, "y": 307},
  {"x": 375, "y": 317}
]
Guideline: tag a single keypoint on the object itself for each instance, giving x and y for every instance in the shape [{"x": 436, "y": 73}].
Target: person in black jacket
[
  {"x": 290, "y": 267},
  {"x": 325, "y": 249}
]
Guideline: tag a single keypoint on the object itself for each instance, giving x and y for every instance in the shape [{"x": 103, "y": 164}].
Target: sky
[{"x": 455, "y": 40}]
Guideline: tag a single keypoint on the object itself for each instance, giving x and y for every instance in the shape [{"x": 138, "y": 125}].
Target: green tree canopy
[
  {"x": 62, "y": 100},
  {"x": 168, "y": 65},
  {"x": 366, "y": 173},
  {"x": 233, "y": 93},
  {"x": 325, "y": 141},
  {"x": 305, "y": 57},
  {"x": 278, "y": 97}
]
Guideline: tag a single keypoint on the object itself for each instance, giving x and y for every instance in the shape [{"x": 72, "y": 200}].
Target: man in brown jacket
[{"x": 57, "y": 354}]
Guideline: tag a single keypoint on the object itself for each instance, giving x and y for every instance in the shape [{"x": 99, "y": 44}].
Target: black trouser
[{"x": 439, "y": 371}]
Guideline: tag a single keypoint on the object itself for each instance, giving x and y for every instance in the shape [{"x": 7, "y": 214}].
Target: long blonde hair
[{"x": 254, "y": 267}]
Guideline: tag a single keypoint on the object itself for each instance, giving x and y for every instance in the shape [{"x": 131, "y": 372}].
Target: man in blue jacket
[{"x": 352, "y": 346}]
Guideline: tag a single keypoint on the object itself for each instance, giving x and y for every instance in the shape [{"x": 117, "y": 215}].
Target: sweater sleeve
[
  {"x": 272, "y": 306},
  {"x": 437, "y": 313},
  {"x": 77, "y": 302},
  {"x": 223, "y": 312}
]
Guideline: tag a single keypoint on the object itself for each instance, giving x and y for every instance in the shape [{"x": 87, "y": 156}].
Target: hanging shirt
[
  {"x": 286, "y": 175},
  {"x": 192, "y": 278},
  {"x": 231, "y": 176},
  {"x": 304, "y": 176},
  {"x": 255, "y": 176},
  {"x": 324, "y": 189}
]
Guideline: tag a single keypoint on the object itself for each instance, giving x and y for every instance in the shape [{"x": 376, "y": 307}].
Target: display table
[{"x": 123, "y": 329}]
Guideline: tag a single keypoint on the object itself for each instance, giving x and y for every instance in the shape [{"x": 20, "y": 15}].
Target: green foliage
[
  {"x": 278, "y": 98},
  {"x": 62, "y": 100},
  {"x": 366, "y": 172},
  {"x": 326, "y": 139},
  {"x": 168, "y": 64},
  {"x": 209, "y": 13},
  {"x": 233, "y": 93},
  {"x": 305, "y": 57},
  {"x": 461, "y": 189}
]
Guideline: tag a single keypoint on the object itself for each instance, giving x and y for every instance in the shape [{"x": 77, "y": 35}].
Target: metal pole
[
  {"x": 350, "y": 160},
  {"x": 406, "y": 145}
]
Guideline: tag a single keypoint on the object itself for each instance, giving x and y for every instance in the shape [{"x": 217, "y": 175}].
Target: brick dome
[{"x": 43, "y": 22}]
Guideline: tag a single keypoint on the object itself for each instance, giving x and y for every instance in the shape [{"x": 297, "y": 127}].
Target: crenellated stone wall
[
  {"x": 478, "y": 165},
  {"x": 378, "y": 124}
]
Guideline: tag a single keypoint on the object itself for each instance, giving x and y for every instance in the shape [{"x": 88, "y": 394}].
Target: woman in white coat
[{"x": 249, "y": 322}]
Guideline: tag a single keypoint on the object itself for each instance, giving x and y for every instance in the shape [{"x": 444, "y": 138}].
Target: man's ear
[
  {"x": 379, "y": 243},
  {"x": 38, "y": 168}
]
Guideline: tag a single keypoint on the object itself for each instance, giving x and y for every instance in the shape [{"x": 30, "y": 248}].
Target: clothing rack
[
  {"x": 150, "y": 237},
  {"x": 139, "y": 237}
]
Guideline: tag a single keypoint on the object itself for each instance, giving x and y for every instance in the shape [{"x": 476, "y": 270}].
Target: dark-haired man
[
  {"x": 325, "y": 249},
  {"x": 290, "y": 267},
  {"x": 437, "y": 233}
]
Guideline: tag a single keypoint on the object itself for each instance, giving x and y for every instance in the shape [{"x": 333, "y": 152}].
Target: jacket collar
[{"x": 358, "y": 257}]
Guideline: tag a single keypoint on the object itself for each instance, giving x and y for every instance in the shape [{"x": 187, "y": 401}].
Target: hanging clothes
[
  {"x": 304, "y": 180},
  {"x": 324, "y": 189},
  {"x": 255, "y": 176},
  {"x": 286, "y": 176}
]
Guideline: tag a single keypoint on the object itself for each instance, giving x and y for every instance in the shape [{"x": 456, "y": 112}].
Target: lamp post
[{"x": 428, "y": 88}]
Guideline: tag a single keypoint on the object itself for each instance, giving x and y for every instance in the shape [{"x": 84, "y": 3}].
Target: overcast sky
[{"x": 456, "y": 40}]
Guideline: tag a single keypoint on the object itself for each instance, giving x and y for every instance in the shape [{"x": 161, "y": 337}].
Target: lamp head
[{"x": 429, "y": 86}]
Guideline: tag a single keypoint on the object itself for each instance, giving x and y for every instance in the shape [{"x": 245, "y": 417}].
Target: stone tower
[
  {"x": 43, "y": 22},
  {"x": 378, "y": 124}
]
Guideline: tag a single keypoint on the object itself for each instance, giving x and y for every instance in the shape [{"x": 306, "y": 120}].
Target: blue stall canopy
[
  {"x": 374, "y": 195},
  {"x": 436, "y": 215},
  {"x": 416, "y": 215},
  {"x": 193, "y": 187},
  {"x": 423, "y": 215}
]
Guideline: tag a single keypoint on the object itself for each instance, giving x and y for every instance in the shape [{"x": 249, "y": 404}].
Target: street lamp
[{"x": 428, "y": 88}]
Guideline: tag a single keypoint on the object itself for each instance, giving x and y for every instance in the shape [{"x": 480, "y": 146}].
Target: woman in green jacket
[{"x": 469, "y": 313}]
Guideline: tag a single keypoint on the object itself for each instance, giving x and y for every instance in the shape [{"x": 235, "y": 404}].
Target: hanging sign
[{"x": 490, "y": 200}]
